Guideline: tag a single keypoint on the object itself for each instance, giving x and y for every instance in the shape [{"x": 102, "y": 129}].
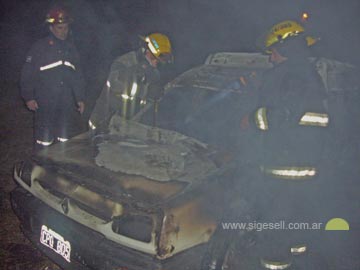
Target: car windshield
[{"x": 210, "y": 116}]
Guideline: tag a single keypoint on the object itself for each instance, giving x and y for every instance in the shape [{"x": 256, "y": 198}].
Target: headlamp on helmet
[{"x": 58, "y": 15}]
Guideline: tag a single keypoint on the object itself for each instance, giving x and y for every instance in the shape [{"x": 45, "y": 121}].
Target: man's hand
[
  {"x": 32, "y": 105},
  {"x": 81, "y": 107}
]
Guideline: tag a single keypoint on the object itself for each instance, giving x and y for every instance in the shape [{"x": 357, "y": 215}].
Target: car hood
[
  {"x": 157, "y": 154},
  {"x": 135, "y": 161}
]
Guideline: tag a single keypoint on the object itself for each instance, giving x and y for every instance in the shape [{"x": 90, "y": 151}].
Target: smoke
[
  {"x": 104, "y": 30},
  {"x": 336, "y": 23},
  {"x": 200, "y": 27}
]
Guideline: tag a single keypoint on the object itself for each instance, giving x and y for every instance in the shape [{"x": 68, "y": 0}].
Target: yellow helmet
[
  {"x": 283, "y": 30},
  {"x": 160, "y": 46}
]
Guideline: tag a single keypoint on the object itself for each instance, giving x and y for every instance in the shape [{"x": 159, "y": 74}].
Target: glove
[
  {"x": 32, "y": 105},
  {"x": 81, "y": 107}
]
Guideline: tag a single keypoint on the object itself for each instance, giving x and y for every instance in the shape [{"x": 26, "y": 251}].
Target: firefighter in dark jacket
[
  {"x": 51, "y": 82},
  {"x": 135, "y": 79},
  {"x": 292, "y": 121}
]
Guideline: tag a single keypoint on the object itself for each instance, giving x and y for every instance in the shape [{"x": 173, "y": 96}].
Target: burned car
[{"x": 150, "y": 191}]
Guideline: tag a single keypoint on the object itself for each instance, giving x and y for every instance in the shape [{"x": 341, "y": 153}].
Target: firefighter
[
  {"x": 132, "y": 77},
  {"x": 52, "y": 84},
  {"x": 292, "y": 122}
]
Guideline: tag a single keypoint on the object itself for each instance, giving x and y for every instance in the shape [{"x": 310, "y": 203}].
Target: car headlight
[{"x": 134, "y": 226}]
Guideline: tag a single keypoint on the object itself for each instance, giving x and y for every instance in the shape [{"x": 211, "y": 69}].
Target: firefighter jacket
[
  {"x": 292, "y": 119},
  {"x": 52, "y": 72},
  {"x": 52, "y": 76},
  {"x": 127, "y": 88}
]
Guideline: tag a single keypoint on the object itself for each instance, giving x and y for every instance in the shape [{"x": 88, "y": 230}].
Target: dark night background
[{"x": 104, "y": 30}]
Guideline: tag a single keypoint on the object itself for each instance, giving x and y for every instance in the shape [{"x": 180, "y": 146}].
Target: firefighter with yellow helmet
[
  {"x": 291, "y": 122},
  {"x": 284, "y": 30},
  {"x": 132, "y": 77}
]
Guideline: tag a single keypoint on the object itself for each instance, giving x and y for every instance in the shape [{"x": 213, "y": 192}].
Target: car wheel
[{"x": 220, "y": 252}]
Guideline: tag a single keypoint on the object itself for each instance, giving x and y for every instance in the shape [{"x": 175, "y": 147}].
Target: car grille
[{"x": 136, "y": 226}]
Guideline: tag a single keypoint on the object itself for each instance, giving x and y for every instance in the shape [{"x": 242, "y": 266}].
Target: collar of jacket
[
  {"x": 58, "y": 42},
  {"x": 141, "y": 59}
]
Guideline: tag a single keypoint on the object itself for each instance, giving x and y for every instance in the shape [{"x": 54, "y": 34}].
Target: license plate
[{"x": 56, "y": 242}]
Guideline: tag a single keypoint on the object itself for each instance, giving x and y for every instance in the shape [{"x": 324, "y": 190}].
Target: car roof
[{"x": 220, "y": 70}]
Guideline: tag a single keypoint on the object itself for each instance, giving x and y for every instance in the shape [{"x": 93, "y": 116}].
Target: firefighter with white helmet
[
  {"x": 132, "y": 77},
  {"x": 52, "y": 84}
]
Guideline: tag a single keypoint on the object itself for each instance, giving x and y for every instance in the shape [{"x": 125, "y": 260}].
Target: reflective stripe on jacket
[
  {"x": 52, "y": 70},
  {"x": 307, "y": 119},
  {"x": 292, "y": 119}
]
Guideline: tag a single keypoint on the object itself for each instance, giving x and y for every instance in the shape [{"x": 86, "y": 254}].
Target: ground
[{"x": 16, "y": 252}]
